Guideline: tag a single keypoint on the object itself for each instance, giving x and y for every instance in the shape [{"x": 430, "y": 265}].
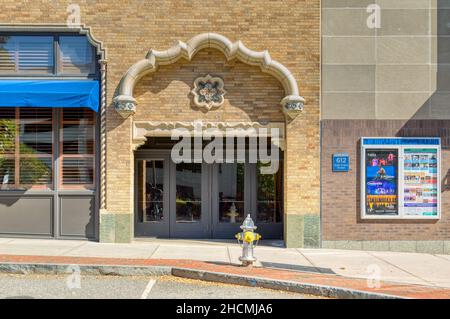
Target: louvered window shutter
[
  {"x": 7, "y": 56},
  {"x": 26, "y": 55},
  {"x": 76, "y": 56},
  {"x": 35, "y": 55},
  {"x": 78, "y": 151}
]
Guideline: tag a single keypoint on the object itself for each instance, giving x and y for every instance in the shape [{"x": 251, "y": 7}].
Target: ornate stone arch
[{"x": 125, "y": 103}]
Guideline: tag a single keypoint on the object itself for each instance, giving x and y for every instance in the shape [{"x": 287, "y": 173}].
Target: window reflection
[
  {"x": 76, "y": 55},
  {"x": 189, "y": 188},
  {"x": 151, "y": 191},
  {"x": 269, "y": 195},
  {"x": 77, "y": 148},
  {"x": 35, "y": 55},
  {"x": 26, "y": 55},
  {"x": 231, "y": 192}
]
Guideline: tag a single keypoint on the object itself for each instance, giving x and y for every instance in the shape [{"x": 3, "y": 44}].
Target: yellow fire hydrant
[{"x": 248, "y": 240}]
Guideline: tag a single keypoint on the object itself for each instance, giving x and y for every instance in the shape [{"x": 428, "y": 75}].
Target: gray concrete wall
[{"x": 400, "y": 70}]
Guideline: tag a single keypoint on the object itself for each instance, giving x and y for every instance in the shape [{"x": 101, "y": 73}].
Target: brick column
[{"x": 302, "y": 182}]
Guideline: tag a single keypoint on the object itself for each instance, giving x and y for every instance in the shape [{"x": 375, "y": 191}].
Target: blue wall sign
[{"x": 341, "y": 162}]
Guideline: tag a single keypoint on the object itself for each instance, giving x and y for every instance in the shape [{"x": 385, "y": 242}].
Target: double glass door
[{"x": 199, "y": 200}]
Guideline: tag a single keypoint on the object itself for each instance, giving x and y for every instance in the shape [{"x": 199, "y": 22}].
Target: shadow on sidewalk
[
  {"x": 298, "y": 268},
  {"x": 281, "y": 266}
]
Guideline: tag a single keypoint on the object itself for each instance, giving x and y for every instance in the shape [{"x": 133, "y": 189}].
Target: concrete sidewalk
[{"x": 407, "y": 268}]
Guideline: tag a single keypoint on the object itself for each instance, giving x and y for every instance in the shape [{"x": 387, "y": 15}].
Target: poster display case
[{"x": 400, "y": 178}]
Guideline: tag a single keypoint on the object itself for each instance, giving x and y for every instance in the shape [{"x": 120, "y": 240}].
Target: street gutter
[{"x": 210, "y": 276}]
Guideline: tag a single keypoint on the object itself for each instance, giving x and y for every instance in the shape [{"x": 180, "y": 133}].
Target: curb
[
  {"x": 291, "y": 286},
  {"x": 211, "y": 276},
  {"x": 99, "y": 270}
]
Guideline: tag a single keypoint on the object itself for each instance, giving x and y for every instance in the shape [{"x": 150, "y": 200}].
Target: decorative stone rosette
[{"x": 208, "y": 92}]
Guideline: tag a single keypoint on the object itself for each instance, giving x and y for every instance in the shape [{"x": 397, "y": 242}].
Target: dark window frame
[
  {"x": 56, "y": 57},
  {"x": 57, "y": 156}
]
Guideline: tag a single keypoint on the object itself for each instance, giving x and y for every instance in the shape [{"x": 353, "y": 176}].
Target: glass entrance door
[
  {"x": 152, "y": 207},
  {"x": 171, "y": 199},
  {"x": 189, "y": 213},
  {"x": 199, "y": 200},
  {"x": 230, "y": 194}
]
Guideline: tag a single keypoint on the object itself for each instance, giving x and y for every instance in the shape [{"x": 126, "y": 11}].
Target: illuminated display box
[{"x": 400, "y": 178}]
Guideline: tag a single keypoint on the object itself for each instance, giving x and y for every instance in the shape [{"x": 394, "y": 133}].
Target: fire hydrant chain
[{"x": 248, "y": 239}]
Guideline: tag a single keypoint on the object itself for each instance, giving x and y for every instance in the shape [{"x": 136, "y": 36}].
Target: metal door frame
[
  {"x": 201, "y": 229},
  {"x": 209, "y": 227},
  {"x": 227, "y": 230},
  {"x": 153, "y": 229}
]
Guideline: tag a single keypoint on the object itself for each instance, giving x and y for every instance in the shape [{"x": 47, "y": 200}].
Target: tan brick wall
[
  {"x": 341, "y": 191},
  {"x": 251, "y": 95},
  {"x": 289, "y": 30}
]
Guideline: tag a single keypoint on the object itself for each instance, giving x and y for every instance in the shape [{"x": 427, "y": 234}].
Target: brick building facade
[
  {"x": 320, "y": 71},
  {"x": 126, "y": 31},
  {"x": 385, "y": 81}
]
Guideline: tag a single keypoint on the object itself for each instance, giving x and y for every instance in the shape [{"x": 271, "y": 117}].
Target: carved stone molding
[
  {"x": 144, "y": 129},
  {"x": 231, "y": 50},
  {"x": 208, "y": 92}
]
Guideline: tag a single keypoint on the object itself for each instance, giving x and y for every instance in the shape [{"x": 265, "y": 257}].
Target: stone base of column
[
  {"x": 302, "y": 231},
  {"x": 115, "y": 228}
]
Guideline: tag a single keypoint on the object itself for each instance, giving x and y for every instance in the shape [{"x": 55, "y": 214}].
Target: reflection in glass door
[
  {"x": 199, "y": 200},
  {"x": 189, "y": 216},
  {"x": 151, "y": 192},
  {"x": 230, "y": 202},
  {"x": 152, "y": 213},
  {"x": 269, "y": 196},
  {"x": 189, "y": 192},
  {"x": 267, "y": 203},
  {"x": 231, "y": 193}
]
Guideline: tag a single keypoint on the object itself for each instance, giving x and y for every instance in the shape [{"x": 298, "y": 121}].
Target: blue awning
[{"x": 49, "y": 93}]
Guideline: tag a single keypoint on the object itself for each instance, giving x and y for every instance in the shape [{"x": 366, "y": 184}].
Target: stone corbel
[
  {"x": 125, "y": 105},
  {"x": 292, "y": 106}
]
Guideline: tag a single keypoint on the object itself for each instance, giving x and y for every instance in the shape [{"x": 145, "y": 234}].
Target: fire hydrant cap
[
  {"x": 248, "y": 223},
  {"x": 249, "y": 236}
]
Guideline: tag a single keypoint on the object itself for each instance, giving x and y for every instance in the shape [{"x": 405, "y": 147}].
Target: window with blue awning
[{"x": 50, "y": 93}]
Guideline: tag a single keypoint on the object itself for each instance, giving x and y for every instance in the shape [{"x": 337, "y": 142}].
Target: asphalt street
[{"x": 115, "y": 287}]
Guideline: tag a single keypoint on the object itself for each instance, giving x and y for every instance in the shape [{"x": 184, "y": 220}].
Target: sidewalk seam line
[
  {"x": 154, "y": 251},
  {"x": 442, "y": 258},
  {"x": 229, "y": 255},
  {"x": 312, "y": 264},
  {"x": 72, "y": 249}
]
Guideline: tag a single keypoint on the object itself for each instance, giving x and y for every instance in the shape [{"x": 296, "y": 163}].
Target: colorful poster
[
  {"x": 420, "y": 182},
  {"x": 381, "y": 182}
]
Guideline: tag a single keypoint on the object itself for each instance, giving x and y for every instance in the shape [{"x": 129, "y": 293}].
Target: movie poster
[
  {"x": 381, "y": 182},
  {"x": 420, "y": 182}
]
